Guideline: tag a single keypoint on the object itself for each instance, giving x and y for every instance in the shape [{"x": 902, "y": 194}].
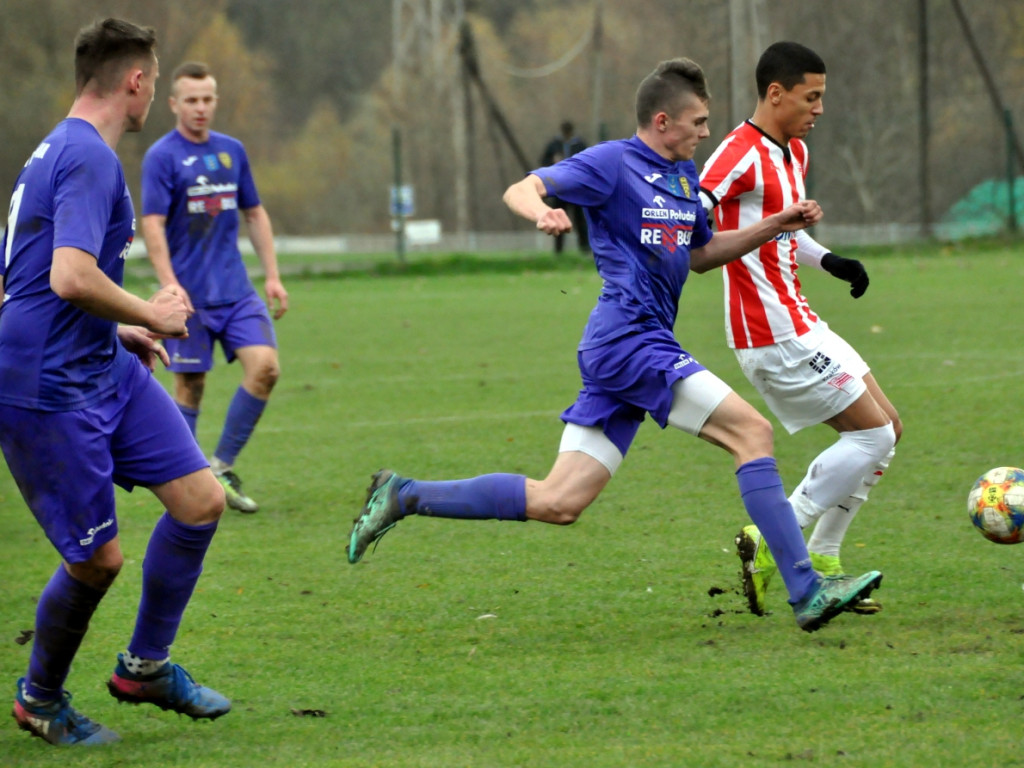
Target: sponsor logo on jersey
[
  {"x": 650, "y": 179},
  {"x": 840, "y": 380},
  {"x": 187, "y": 162},
  {"x": 668, "y": 214},
  {"x": 820, "y": 362},
  {"x": 684, "y": 360},
  {"x": 128, "y": 245},
  {"x": 206, "y": 197},
  {"x": 91, "y": 533},
  {"x": 671, "y": 236}
]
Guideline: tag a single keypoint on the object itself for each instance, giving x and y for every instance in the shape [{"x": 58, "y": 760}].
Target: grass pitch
[{"x": 619, "y": 641}]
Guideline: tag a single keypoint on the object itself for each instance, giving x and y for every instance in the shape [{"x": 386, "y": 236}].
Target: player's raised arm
[
  {"x": 525, "y": 198},
  {"x": 734, "y": 244}
]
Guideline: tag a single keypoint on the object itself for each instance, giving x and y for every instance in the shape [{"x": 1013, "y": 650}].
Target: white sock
[
  {"x": 140, "y": 666},
  {"x": 806, "y": 511},
  {"x": 838, "y": 470},
  {"x": 218, "y": 466},
  {"x": 831, "y": 528}
]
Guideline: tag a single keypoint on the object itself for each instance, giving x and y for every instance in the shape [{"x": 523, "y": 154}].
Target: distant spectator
[{"x": 567, "y": 144}]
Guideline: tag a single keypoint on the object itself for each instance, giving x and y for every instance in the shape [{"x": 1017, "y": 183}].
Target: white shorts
[{"x": 806, "y": 380}]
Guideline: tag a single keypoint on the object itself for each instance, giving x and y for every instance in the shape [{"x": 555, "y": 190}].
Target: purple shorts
[
  {"x": 626, "y": 379},
  {"x": 245, "y": 323},
  {"x": 66, "y": 462}
]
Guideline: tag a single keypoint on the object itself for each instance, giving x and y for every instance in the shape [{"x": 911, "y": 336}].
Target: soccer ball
[{"x": 996, "y": 505}]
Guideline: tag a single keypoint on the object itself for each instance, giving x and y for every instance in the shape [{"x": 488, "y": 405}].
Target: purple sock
[
  {"x": 243, "y": 413},
  {"x": 767, "y": 505},
  {"x": 191, "y": 416},
  {"x": 488, "y": 497},
  {"x": 174, "y": 560},
  {"x": 62, "y": 617}
]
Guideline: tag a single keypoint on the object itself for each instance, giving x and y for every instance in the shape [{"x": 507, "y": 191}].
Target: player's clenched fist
[
  {"x": 169, "y": 312},
  {"x": 554, "y": 221},
  {"x": 805, "y": 213}
]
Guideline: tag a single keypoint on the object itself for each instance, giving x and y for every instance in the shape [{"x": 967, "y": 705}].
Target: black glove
[{"x": 850, "y": 270}]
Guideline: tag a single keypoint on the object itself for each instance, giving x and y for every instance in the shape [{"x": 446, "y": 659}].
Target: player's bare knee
[
  {"x": 269, "y": 374},
  {"x": 216, "y": 501},
  {"x": 260, "y": 382},
  {"x": 757, "y": 436},
  {"x": 100, "y": 570},
  {"x": 206, "y": 504},
  {"x": 897, "y": 427},
  {"x": 189, "y": 388}
]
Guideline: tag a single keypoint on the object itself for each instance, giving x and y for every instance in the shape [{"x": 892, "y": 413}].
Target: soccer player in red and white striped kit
[{"x": 806, "y": 373}]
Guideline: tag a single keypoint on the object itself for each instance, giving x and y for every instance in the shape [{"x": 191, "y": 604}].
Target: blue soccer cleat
[
  {"x": 57, "y": 722},
  {"x": 171, "y": 688}
]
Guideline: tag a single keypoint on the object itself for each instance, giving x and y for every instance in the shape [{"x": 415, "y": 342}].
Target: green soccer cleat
[
  {"x": 380, "y": 513},
  {"x": 833, "y": 596},
  {"x": 758, "y": 567},
  {"x": 826, "y": 565},
  {"x": 829, "y": 565},
  {"x": 233, "y": 493}
]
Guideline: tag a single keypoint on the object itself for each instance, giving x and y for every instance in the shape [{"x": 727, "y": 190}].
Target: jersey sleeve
[
  {"x": 248, "y": 197},
  {"x": 86, "y": 186},
  {"x": 701, "y": 229},
  {"x": 587, "y": 178},
  {"x": 808, "y": 250},
  {"x": 728, "y": 173},
  {"x": 157, "y": 182}
]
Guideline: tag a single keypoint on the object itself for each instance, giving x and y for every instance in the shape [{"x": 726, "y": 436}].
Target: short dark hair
[
  {"x": 664, "y": 89},
  {"x": 194, "y": 69},
  {"x": 105, "y": 49},
  {"x": 787, "y": 64}
]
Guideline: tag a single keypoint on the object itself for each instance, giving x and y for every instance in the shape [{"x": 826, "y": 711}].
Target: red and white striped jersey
[{"x": 751, "y": 176}]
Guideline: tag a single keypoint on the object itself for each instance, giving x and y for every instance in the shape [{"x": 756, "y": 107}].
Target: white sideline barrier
[{"x": 426, "y": 236}]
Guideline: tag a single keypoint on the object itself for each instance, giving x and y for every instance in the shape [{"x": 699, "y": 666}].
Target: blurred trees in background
[{"x": 313, "y": 90}]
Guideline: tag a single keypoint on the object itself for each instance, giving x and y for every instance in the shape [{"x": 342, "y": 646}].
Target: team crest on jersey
[
  {"x": 678, "y": 185},
  {"x": 225, "y": 159},
  {"x": 211, "y": 163}
]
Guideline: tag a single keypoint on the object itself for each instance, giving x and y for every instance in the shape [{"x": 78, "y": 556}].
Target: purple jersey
[
  {"x": 200, "y": 188},
  {"x": 71, "y": 192},
  {"x": 644, "y": 217}
]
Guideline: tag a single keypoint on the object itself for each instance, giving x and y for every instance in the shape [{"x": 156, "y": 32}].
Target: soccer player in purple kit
[
  {"x": 194, "y": 182},
  {"x": 647, "y": 229},
  {"x": 79, "y": 407}
]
